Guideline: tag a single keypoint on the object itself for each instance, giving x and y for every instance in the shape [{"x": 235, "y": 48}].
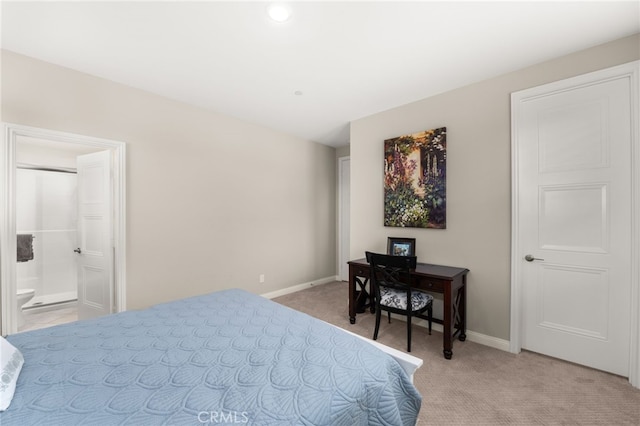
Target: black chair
[{"x": 391, "y": 286}]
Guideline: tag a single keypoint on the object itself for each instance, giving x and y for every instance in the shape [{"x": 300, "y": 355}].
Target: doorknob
[
  {"x": 530, "y": 258},
  {"x": 77, "y": 250}
]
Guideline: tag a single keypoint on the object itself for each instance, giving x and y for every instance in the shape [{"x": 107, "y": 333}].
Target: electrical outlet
[{"x": 261, "y": 278}]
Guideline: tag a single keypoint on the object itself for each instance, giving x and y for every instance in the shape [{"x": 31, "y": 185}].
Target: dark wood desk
[{"x": 447, "y": 280}]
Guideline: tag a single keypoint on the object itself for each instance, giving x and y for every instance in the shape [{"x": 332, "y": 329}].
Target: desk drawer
[
  {"x": 432, "y": 285},
  {"x": 360, "y": 272}
]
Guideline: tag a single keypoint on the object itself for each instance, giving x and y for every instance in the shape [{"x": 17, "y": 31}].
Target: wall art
[{"x": 415, "y": 171}]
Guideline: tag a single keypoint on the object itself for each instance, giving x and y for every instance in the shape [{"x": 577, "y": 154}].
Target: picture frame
[
  {"x": 401, "y": 246},
  {"x": 415, "y": 180}
]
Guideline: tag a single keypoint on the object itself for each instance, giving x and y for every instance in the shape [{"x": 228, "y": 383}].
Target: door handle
[
  {"x": 530, "y": 258},
  {"x": 77, "y": 250}
]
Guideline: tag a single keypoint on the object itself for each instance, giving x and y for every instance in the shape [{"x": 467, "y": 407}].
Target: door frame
[
  {"x": 8, "y": 265},
  {"x": 630, "y": 71},
  {"x": 342, "y": 251}
]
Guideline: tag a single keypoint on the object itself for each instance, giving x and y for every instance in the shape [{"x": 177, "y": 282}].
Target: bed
[{"x": 228, "y": 357}]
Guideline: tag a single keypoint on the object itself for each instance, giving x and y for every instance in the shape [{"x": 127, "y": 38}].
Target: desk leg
[
  {"x": 461, "y": 304},
  {"x": 352, "y": 298},
  {"x": 447, "y": 322}
]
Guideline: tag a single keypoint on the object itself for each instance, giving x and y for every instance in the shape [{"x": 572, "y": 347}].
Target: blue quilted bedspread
[{"x": 229, "y": 357}]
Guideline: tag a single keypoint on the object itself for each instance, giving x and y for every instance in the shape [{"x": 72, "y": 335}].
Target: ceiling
[{"x": 330, "y": 63}]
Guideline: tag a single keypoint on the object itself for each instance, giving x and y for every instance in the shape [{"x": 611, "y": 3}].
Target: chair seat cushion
[{"x": 398, "y": 298}]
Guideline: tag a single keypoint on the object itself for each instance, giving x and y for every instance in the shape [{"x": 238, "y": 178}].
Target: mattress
[{"x": 229, "y": 357}]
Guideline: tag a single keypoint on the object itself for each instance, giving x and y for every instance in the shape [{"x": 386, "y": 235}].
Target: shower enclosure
[{"x": 46, "y": 208}]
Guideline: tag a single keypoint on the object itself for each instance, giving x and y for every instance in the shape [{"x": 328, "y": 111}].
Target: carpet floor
[{"x": 482, "y": 385}]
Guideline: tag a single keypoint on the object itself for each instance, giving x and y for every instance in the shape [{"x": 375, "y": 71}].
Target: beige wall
[
  {"x": 342, "y": 151},
  {"x": 212, "y": 201},
  {"x": 478, "y": 234}
]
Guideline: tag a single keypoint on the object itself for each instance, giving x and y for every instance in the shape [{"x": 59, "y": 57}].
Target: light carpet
[{"x": 482, "y": 385}]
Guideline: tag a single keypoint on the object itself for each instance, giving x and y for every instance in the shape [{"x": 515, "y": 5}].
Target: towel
[{"x": 25, "y": 247}]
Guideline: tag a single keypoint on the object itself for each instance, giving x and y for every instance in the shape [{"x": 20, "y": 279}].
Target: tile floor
[{"x": 36, "y": 320}]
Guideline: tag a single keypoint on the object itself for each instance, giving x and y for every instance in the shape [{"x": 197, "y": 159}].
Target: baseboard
[
  {"x": 472, "y": 336},
  {"x": 299, "y": 287},
  {"x": 490, "y": 341}
]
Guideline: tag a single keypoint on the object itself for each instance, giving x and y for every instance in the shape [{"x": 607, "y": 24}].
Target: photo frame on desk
[{"x": 401, "y": 246}]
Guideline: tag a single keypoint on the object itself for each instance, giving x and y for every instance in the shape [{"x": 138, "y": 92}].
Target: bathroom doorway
[
  {"x": 46, "y": 215},
  {"x": 40, "y": 177}
]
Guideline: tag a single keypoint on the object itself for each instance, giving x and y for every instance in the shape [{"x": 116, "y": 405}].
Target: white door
[
  {"x": 345, "y": 199},
  {"x": 94, "y": 252},
  {"x": 573, "y": 154}
]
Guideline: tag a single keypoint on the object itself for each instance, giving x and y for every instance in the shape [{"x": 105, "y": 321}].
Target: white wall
[
  {"x": 478, "y": 234},
  {"x": 212, "y": 201}
]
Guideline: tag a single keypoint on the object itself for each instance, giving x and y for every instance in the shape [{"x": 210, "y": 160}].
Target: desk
[{"x": 447, "y": 280}]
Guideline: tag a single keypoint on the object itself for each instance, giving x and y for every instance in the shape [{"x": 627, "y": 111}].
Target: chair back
[
  {"x": 390, "y": 271},
  {"x": 392, "y": 274}
]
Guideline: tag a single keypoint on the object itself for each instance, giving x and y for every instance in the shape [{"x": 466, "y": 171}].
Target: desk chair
[{"x": 391, "y": 285}]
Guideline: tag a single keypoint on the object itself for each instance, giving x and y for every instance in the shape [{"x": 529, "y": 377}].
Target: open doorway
[{"x": 40, "y": 204}]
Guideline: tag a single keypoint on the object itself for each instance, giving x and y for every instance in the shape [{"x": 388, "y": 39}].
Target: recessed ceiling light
[{"x": 279, "y": 12}]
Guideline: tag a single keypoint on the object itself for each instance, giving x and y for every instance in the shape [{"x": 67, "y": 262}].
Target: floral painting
[{"x": 415, "y": 171}]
